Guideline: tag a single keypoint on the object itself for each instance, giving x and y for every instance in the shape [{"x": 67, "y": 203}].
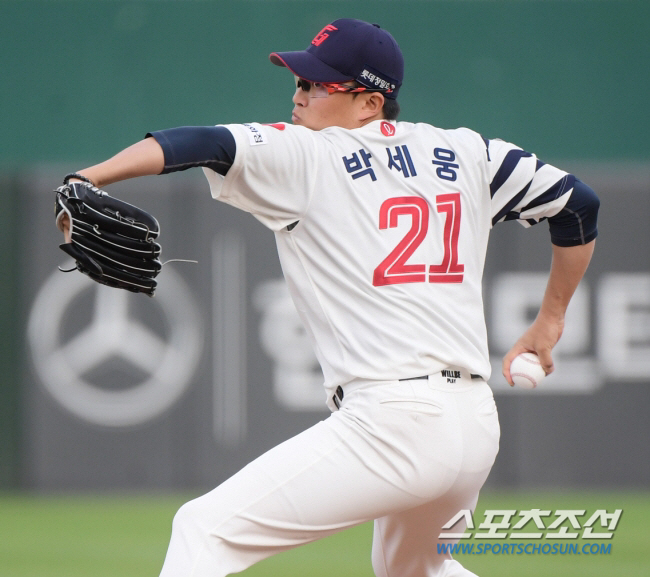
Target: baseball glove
[{"x": 113, "y": 242}]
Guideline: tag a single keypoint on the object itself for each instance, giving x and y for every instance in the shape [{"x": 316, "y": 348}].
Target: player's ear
[{"x": 373, "y": 103}]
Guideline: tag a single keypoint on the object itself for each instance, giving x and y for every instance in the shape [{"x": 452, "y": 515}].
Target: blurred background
[{"x": 102, "y": 391}]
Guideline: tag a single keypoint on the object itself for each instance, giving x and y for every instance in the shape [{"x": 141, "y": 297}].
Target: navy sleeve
[
  {"x": 189, "y": 146},
  {"x": 576, "y": 223}
]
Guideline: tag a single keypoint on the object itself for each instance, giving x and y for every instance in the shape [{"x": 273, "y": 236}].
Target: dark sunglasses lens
[{"x": 304, "y": 84}]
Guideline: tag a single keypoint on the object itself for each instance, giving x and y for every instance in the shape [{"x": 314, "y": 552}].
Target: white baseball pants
[{"x": 407, "y": 454}]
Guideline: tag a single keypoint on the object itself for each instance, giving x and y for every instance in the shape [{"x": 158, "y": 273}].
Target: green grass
[{"x": 127, "y": 536}]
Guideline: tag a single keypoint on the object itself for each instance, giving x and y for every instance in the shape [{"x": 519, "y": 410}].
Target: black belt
[
  {"x": 338, "y": 396},
  {"x": 472, "y": 375}
]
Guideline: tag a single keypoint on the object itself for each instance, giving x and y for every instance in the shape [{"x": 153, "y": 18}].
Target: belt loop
[{"x": 338, "y": 397}]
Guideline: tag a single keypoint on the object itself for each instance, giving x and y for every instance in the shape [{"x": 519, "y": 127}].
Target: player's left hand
[
  {"x": 111, "y": 241},
  {"x": 540, "y": 339}
]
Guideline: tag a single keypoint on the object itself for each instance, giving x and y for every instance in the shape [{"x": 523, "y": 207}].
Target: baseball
[{"x": 526, "y": 370}]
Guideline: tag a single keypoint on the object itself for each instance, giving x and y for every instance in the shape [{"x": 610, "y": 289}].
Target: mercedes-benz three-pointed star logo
[{"x": 169, "y": 362}]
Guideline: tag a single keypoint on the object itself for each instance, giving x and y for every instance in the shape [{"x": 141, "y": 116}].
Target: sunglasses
[{"x": 323, "y": 90}]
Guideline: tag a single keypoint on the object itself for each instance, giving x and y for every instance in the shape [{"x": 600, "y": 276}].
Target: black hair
[{"x": 390, "y": 109}]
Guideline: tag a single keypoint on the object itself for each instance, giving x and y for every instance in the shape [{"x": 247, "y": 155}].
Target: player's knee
[
  {"x": 196, "y": 549},
  {"x": 187, "y": 518}
]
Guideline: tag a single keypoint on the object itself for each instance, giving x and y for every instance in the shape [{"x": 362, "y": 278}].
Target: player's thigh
[
  {"x": 407, "y": 543},
  {"x": 306, "y": 488},
  {"x": 329, "y": 477}
]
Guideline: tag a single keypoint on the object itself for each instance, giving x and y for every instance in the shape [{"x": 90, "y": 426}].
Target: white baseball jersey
[{"x": 382, "y": 233}]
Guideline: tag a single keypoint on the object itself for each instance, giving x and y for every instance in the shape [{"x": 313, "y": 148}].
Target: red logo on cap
[
  {"x": 387, "y": 129},
  {"x": 323, "y": 35}
]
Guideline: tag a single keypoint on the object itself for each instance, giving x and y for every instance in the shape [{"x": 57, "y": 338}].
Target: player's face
[{"x": 316, "y": 108}]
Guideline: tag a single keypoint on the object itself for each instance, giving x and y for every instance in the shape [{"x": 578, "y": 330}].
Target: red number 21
[{"x": 394, "y": 268}]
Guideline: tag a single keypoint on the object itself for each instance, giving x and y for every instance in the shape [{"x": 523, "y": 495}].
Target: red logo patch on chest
[
  {"x": 387, "y": 129},
  {"x": 277, "y": 126}
]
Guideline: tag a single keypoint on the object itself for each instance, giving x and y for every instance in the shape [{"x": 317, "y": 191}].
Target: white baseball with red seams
[{"x": 526, "y": 370}]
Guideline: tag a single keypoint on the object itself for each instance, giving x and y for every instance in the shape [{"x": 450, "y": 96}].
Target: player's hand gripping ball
[{"x": 526, "y": 370}]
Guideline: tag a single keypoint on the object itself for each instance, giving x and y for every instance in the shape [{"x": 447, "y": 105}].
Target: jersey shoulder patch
[{"x": 256, "y": 135}]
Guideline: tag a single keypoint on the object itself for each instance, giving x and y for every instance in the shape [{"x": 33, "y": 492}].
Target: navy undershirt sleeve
[
  {"x": 577, "y": 222},
  {"x": 189, "y": 146}
]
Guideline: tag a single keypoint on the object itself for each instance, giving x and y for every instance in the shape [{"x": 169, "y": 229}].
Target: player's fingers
[
  {"x": 505, "y": 369},
  {"x": 65, "y": 225},
  {"x": 507, "y": 361},
  {"x": 546, "y": 360}
]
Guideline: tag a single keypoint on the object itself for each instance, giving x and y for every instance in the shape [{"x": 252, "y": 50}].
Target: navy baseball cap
[{"x": 349, "y": 50}]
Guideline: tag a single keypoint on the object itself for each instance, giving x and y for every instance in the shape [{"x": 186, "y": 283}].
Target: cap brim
[{"x": 307, "y": 66}]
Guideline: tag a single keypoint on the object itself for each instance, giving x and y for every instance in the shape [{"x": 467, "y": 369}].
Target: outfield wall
[{"x": 123, "y": 391}]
